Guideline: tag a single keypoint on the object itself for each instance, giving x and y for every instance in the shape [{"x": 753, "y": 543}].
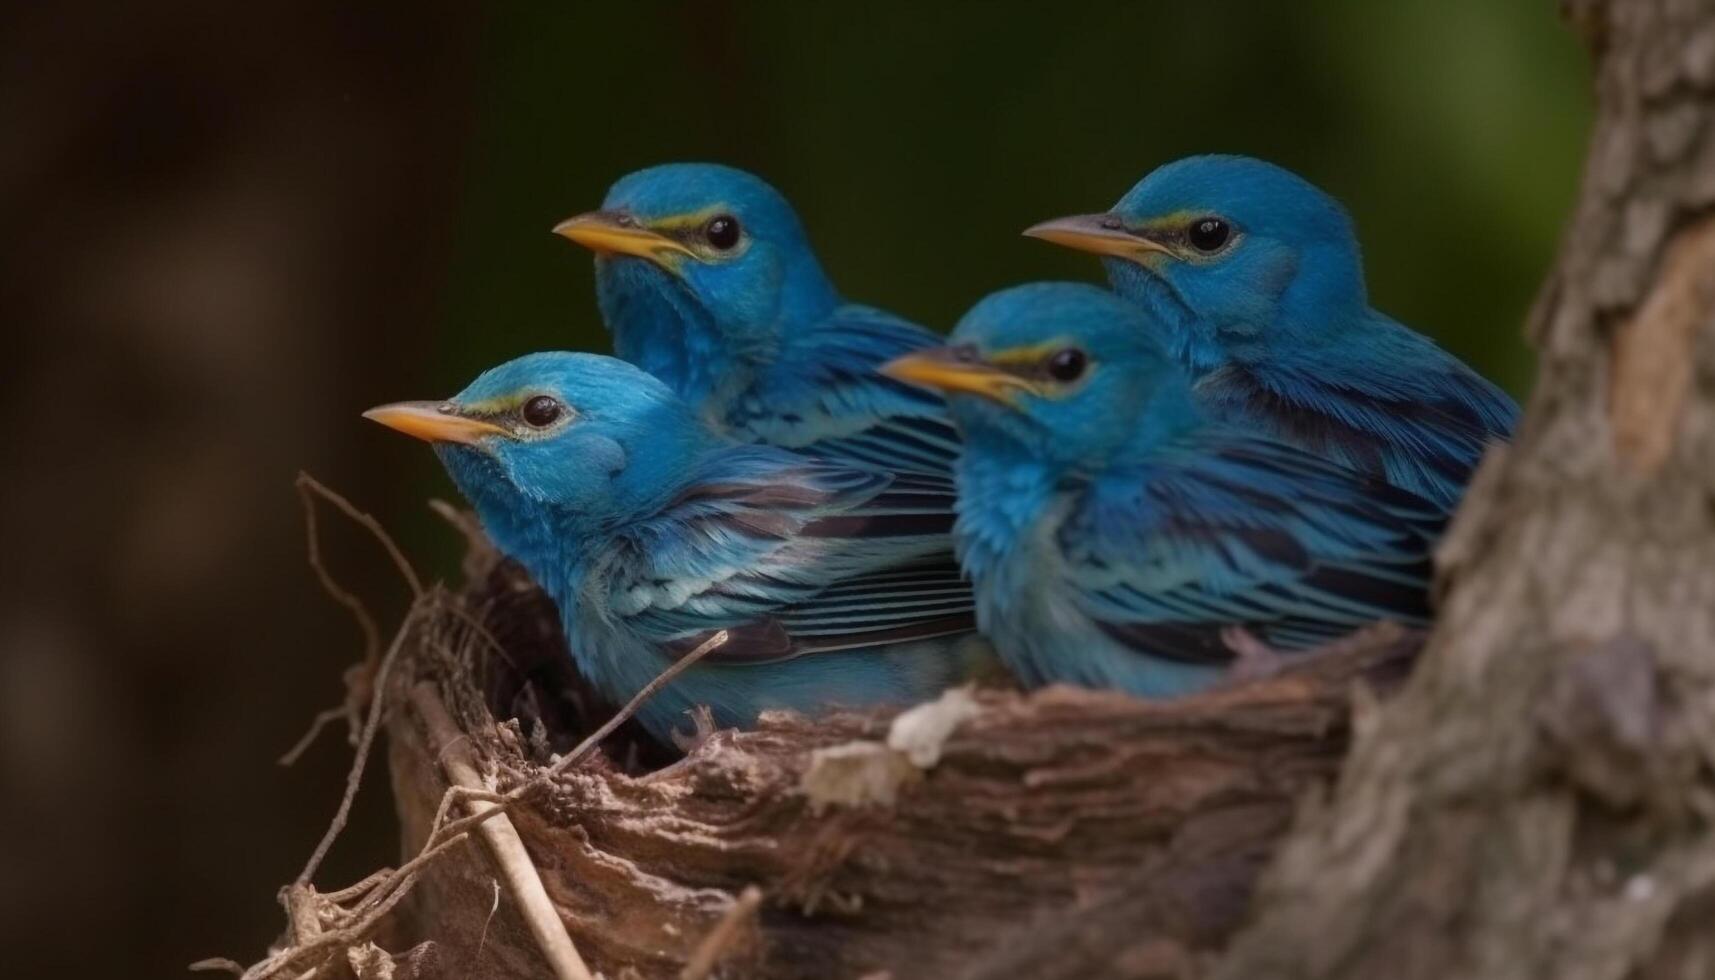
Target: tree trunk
[{"x": 1538, "y": 801}]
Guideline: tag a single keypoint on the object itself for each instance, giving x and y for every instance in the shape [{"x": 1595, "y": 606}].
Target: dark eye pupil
[
  {"x": 1208, "y": 234},
  {"x": 541, "y": 410},
  {"x": 722, "y": 231},
  {"x": 1067, "y": 365}
]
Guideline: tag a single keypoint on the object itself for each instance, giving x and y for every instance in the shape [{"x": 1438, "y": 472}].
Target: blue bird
[
  {"x": 1256, "y": 279},
  {"x": 707, "y": 281},
  {"x": 1120, "y": 537},
  {"x": 651, "y": 533}
]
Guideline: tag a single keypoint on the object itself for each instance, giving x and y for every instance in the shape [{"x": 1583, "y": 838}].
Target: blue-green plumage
[
  {"x": 1116, "y": 533},
  {"x": 651, "y": 533},
  {"x": 706, "y": 279},
  {"x": 1256, "y": 280}
]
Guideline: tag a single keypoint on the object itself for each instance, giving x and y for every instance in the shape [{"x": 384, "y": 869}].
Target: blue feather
[
  {"x": 652, "y": 533},
  {"x": 754, "y": 335},
  {"x": 1116, "y": 532},
  {"x": 1274, "y": 323}
]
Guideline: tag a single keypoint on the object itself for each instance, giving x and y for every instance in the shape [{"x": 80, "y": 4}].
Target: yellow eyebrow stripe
[
  {"x": 1173, "y": 221},
  {"x": 687, "y": 221},
  {"x": 1013, "y": 358},
  {"x": 495, "y": 406}
]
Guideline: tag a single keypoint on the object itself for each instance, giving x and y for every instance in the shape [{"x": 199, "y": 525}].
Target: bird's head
[
  {"x": 555, "y": 440},
  {"x": 706, "y": 243},
  {"x": 1229, "y": 245},
  {"x": 1065, "y": 372}
]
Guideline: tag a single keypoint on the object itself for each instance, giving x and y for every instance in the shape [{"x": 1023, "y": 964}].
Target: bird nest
[{"x": 1062, "y": 833}]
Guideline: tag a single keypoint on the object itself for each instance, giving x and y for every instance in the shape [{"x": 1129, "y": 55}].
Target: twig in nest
[
  {"x": 359, "y": 680},
  {"x": 360, "y": 758},
  {"x": 334, "y": 939},
  {"x": 308, "y": 484},
  {"x": 308, "y": 490},
  {"x": 544, "y": 778},
  {"x": 720, "y": 939},
  {"x": 354, "y": 924},
  {"x": 482, "y": 939},
  {"x": 452, "y": 748},
  {"x": 323, "y": 719},
  {"x": 453, "y": 830},
  {"x": 481, "y": 632}
]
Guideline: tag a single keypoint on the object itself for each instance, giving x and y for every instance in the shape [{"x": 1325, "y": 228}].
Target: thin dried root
[
  {"x": 723, "y": 936},
  {"x": 341, "y": 926},
  {"x": 361, "y": 678},
  {"x": 522, "y": 882}
]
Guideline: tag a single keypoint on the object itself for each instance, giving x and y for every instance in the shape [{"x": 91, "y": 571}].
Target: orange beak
[
  {"x": 1101, "y": 234},
  {"x": 616, "y": 233},
  {"x": 951, "y": 370},
  {"x": 433, "y": 422}
]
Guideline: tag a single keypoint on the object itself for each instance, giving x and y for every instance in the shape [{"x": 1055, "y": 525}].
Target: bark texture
[
  {"x": 1538, "y": 801},
  {"x": 1150, "y": 820}
]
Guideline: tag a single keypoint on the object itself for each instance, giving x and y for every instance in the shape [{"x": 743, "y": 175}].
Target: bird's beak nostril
[{"x": 1111, "y": 224}]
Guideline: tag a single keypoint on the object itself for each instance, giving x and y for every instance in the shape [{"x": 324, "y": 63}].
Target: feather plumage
[
  {"x": 755, "y": 336},
  {"x": 835, "y": 582},
  {"x": 1266, "y": 308},
  {"x": 1116, "y": 533}
]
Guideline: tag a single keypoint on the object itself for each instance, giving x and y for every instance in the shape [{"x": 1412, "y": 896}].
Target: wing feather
[
  {"x": 794, "y": 556},
  {"x": 1244, "y": 532},
  {"x": 825, "y": 396}
]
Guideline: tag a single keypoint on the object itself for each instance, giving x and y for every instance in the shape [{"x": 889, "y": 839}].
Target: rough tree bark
[
  {"x": 1538, "y": 801},
  {"x": 1148, "y": 821}
]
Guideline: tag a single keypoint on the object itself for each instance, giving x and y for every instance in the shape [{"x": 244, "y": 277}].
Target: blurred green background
[{"x": 233, "y": 228}]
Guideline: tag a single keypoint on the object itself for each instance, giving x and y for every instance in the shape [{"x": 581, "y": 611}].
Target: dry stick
[
  {"x": 360, "y": 757},
  {"x": 336, "y": 938},
  {"x": 394, "y": 886},
  {"x": 456, "y": 607},
  {"x": 391, "y": 889},
  {"x": 452, "y": 748},
  {"x": 360, "y": 888},
  {"x": 306, "y": 486},
  {"x": 718, "y": 942},
  {"x": 661, "y": 680},
  {"x": 482, "y": 937},
  {"x": 309, "y": 488},
  {"x": 309, "y": 483},
  {"x": 323, "y": 719},
  {"x": 582, "y": 749}
]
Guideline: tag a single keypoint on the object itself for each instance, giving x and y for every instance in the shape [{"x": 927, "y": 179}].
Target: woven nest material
[{"x": 1064, "y": 833}]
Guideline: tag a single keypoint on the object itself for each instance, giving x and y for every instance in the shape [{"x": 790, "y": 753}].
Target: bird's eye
[
  {"x": 1067, "y": 365},
  {"x": 722, "y": 231},
  {"x": 542, "y": 411},
  {"x": 1208, "y": 234}
]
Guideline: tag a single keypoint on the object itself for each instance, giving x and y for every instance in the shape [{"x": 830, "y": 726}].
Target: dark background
[{"x": 229, "y": 229}]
